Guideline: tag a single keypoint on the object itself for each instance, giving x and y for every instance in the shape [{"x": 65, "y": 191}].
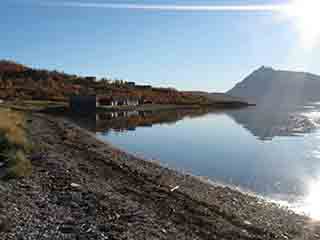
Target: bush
[{"x": 14, "y": 144}]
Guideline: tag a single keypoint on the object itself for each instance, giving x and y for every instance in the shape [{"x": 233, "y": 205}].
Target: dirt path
[{"x": 82, "y": 188}]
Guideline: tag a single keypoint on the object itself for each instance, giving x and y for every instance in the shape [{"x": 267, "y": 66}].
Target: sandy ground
[{"x": 82, "y": 188}]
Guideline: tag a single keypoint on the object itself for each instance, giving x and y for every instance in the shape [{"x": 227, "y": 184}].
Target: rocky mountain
[{"x": 269, "y": 87}]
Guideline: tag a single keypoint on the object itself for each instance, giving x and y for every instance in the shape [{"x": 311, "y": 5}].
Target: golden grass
[
  {"x": 12, "y": 126},
  {"x": 14, "y": 142}
]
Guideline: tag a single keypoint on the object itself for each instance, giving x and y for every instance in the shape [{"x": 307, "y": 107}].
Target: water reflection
[
  {"x": 264, "y": 123},
  {"x": 269, "y": 122},
  {"x": 228, "y": 146},
  {"x": 105, "y": 122}
]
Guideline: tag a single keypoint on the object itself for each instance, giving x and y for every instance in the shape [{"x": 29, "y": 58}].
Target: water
[{"x": 274, "y": 153}]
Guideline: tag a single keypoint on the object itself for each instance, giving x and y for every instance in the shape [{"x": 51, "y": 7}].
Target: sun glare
[
  {"x": 311, "y": 204},
  {"x": 306, "y": 17}
]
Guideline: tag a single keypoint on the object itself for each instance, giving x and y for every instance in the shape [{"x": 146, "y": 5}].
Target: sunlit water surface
[{"x": 243, "y": 148}]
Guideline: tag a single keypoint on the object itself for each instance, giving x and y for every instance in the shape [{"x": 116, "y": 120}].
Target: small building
[
  {"x": 89, "y": 104},
  {"x": 118, "y": 101},
  {"x": 83, "y": 104},
  {"x": 90, "y": 79},
  {"x": 131, "y": 84}
]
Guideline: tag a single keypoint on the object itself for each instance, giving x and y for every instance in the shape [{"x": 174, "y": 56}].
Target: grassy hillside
[{"x": 21, "y": 82}]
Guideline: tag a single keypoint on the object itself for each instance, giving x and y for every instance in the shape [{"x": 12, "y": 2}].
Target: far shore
[
  {"x": 159, "y": 107},
  {"x": 51, "y": 106}
]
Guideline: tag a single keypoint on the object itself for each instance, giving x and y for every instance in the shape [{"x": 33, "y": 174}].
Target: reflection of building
[
  {"x": 132, "y": 113},
  {"x": 104, "y": 121},
  {"x": 89, "y": 104}
]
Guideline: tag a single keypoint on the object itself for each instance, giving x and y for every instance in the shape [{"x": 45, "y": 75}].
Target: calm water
[{"x": 275, "y": 154}]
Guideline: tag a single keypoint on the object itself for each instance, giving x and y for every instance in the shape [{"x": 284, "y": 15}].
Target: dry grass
[
  {"x": 14, "y": 143},
  {"x": 12, "y": 126}
]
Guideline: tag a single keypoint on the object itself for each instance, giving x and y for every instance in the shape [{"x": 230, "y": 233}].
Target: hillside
[
  {"x": 217, "y": 97},
  {"x": 9, "y": 66},
  {"x": 19, "y": 82},
  {"x": 267, "y": 86}
]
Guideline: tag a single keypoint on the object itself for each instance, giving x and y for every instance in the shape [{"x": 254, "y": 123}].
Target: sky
[{"x": 185, "y": 44}]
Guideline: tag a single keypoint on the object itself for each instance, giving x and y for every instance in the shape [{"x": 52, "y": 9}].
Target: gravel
[{"x": 82, "y": 188}]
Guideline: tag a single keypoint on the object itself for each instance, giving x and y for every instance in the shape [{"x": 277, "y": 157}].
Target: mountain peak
[
  {"x": 264, "y": 69},
  {"x": 269, "y": 86}
]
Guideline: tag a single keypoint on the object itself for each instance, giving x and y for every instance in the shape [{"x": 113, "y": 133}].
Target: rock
[
  {"x": 69, "y": 221},
  {"x": 2, "y": 188},
  {"x": 74, "y": 205},
  {"x": 67, "y": 229},
  {"x": 20, "y": 237},
  {"x": 175, "y": 188},
  {"x": 104, "y": 227},
  {"x": 75, "y": 185},
  {"x": 4, "y": 225},
  {"x": 244, "y": 231},
  {"x": 246, "y": 222}
]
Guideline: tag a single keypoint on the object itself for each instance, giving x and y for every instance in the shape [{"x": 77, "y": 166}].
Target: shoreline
[
  {"x": 83, "y": 183},
  {"x": 166, "y": 107}
]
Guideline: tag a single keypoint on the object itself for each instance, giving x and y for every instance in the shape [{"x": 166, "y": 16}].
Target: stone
[
  {"x": 69, "y": 220},
  {"x": 74, "y": 205},
  {"x": 246, "y": 222},
  {"x": 75, "y": 185},
  {"x": 104, "y": 227},
  {"x": 67, "y": 229},
  {"x": 4, "y": 225}
]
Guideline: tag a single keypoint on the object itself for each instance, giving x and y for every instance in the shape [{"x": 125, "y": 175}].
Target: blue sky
[{"x": 189, "y": 50}]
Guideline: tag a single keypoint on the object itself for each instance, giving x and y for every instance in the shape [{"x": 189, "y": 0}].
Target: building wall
[
  {"x": 83, "y": 104},
  {"x": 120, "y": 102}
]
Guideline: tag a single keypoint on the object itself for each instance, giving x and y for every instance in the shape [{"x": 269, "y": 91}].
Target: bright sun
[{"x": 306, "y": 16}]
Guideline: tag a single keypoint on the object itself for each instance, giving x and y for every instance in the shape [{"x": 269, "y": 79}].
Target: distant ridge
[
  {"x": 216, "y": 96},
  {"x": 267, "y": 86},
  {"x": 10, "y": 66},
  {"x": 19, "y": 82}
]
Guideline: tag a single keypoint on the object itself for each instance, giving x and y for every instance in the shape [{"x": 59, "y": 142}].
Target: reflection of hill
[
  {"x": 278, "y": 95},
  {"x": 130, "y": 120},
  {"x": 269, "y": 122}
]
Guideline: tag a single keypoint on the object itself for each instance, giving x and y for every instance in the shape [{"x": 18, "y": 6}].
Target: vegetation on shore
[
  {"x": 14, "y": 144},
  {"x": 19, "y": 82},
  {"x": 24, "y": 83}
]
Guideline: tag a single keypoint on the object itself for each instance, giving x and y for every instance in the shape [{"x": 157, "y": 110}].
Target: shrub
[{"x": 14, "y": 144}]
